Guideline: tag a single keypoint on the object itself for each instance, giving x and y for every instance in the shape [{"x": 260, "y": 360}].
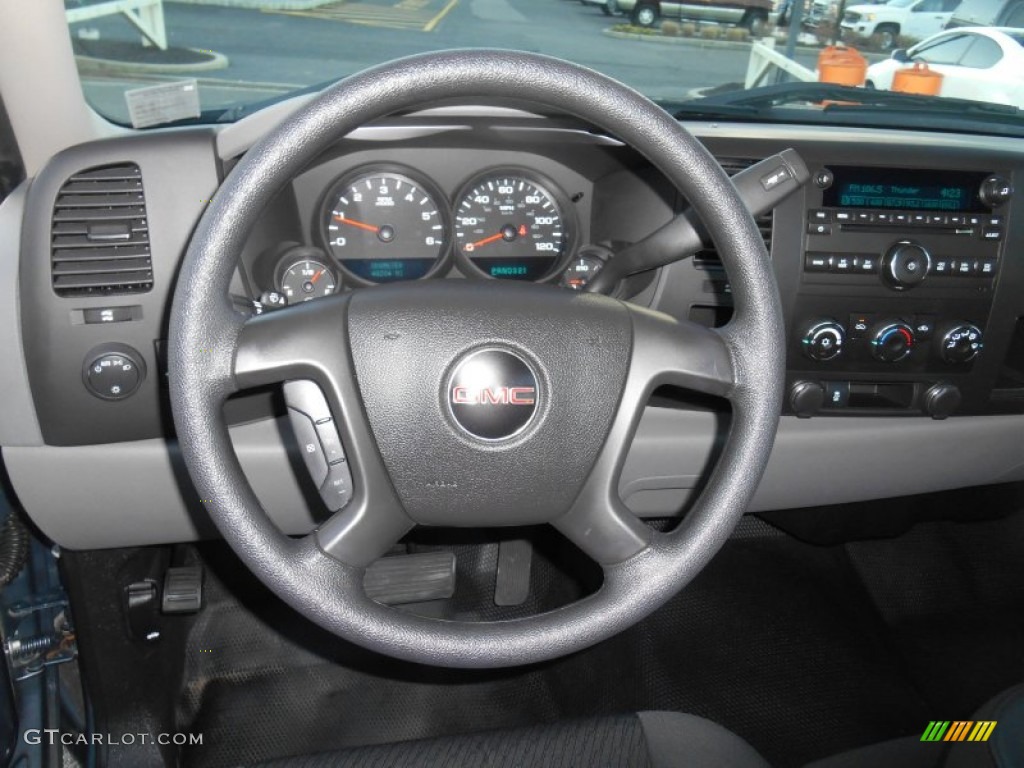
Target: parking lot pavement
[{"x": 419, "y": 15}]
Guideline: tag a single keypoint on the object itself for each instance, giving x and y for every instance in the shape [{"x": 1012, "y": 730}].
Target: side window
[
  {"x": 982, "y": 54},
  {"x": 948, "y": 6},
  {"x": 948, "y": 50},
  {"x": 929, "y": 6}
]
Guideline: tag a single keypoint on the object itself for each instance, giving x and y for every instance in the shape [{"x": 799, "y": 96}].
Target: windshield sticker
[{"x": 164, "y": 103}]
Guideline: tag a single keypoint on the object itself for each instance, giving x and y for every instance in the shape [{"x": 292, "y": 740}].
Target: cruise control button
[
  {"x": 309, "y": 446},
  {"x": 330, "y": 442},
  {"x": 305, "y": 396},
  {"x": 336, "y": 490}
]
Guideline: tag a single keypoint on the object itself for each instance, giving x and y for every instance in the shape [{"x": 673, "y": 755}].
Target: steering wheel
[{"x": 475, "y": 403}]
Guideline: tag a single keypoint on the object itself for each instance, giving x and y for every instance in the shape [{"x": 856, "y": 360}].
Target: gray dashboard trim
[
  {"x": 138, "y": 493},
  {"x": 814, "y": 462},
  {"x": 18, "y": 422}
]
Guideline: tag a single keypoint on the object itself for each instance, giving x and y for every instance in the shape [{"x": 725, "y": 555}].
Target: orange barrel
[
  {"x": 917, "y": 79},
  {"x": 842, "y": 66}
]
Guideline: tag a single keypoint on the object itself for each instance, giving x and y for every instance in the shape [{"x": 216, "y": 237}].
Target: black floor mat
[{"x": 805, "y": 651}]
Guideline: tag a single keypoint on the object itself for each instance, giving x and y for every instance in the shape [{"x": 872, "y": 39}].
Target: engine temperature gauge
[
  {"x": 582, "y": 269},
  {"x": 307, "y": 279}
]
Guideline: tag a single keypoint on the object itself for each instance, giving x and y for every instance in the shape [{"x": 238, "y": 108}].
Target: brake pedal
[{"x": 417, "y": 578}]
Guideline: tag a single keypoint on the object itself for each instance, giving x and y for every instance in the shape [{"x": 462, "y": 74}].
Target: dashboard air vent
[
  {"x": 708, "y": 258},
  {"x": 100, "y": 236}
]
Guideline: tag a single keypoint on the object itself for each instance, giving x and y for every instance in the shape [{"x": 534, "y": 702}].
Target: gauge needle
[
  {"x": 317, "y": 276},
  {"x": 485, "y": 241},
  {"x": 354, "y": 223}
]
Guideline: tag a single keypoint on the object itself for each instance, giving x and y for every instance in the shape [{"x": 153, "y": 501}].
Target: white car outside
[
  {"x": 897, "y": 18},
  {"x": 979, "y": 63}
]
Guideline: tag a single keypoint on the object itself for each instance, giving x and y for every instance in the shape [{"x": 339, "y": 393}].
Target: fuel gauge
[{"x": 307, "y": 279}]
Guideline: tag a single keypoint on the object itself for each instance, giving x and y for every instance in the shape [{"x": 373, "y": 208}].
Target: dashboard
[{"x": 899, "y": 267}]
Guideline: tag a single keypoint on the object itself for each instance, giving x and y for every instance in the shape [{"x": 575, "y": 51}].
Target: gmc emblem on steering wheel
[{"x": 492, "y": 394}]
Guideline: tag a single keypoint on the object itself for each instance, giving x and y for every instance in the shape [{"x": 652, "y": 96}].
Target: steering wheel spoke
[{"x": 305, "y": 347}]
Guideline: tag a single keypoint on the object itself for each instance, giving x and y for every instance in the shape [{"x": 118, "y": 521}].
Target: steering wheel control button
[
  {"x": 305, "y": 396},
  {"x": 892, "y": 342},
  {"x": 330, "y": 442},
  {"x": 905, "y": 266},
  {"x": 824, "y": 340},
  {"x": 493, "y": 394},
  {"x": 336, "y": 490},
  {"x": 113, "y": 374},
  {"x": 309, "y": 446},
  {"x": 962, "y": 344}
]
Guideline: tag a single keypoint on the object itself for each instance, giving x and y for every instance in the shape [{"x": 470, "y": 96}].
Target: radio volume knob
[
  {"x": 892, "y": 342},
  {"x": 962, "y": 344},
  {"x": 905, "y": 265}
]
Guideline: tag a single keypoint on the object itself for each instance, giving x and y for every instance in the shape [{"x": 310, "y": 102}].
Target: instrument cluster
[{"x": 384, "y": 223}]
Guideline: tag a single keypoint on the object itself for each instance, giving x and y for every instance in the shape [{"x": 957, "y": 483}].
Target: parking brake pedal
[
  {"x": 512, "y": 583},
  {"x": 417, "y": 578},
  {"x": 183, "y": 590}
]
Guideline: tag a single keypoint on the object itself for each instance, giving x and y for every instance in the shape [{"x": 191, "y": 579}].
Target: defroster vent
[
  {"x": 708, "y": 258},
  {"x": 100, "y": 238}
]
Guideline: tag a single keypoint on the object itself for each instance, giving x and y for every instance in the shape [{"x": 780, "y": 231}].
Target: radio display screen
[{"x": 904, "y": 190}]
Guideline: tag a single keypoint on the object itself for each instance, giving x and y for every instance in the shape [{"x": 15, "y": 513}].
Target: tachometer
[
  {"x": 512, "y": 226},
  {"x": 383, "y": 226}
]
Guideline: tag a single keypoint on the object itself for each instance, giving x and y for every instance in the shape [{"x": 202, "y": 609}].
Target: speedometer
[
  {"x": 384, "y": 225},
  {"x": 512, "y": 226}
]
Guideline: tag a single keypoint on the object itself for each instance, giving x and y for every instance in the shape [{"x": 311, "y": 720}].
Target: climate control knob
[
  {"x": 905, "y": 265},
  {"x": 824, "y": 340},
  {"x": 962, "y": 344},
  {"x": 892, "y": 342}
]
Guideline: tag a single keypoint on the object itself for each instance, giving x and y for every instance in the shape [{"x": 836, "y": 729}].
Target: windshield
[{"x": 155, "y": 62}]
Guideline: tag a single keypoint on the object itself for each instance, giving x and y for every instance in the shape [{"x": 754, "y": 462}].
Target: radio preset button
[
  {"x": 942, "y": 266},
  {"x": 986, "y": 267},
  {"x": 867, "y": 264},
  {"x": 964, "y": 267}
]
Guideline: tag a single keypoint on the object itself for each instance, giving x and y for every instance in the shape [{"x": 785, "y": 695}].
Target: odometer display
[
  {"x": 510, "y": 227},
  {"x": 385, "y": 226}
]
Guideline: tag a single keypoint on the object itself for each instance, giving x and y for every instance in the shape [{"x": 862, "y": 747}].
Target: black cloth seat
[
  {"x": 671, "y": 740},
  {"x": 644, "y": 740}
]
